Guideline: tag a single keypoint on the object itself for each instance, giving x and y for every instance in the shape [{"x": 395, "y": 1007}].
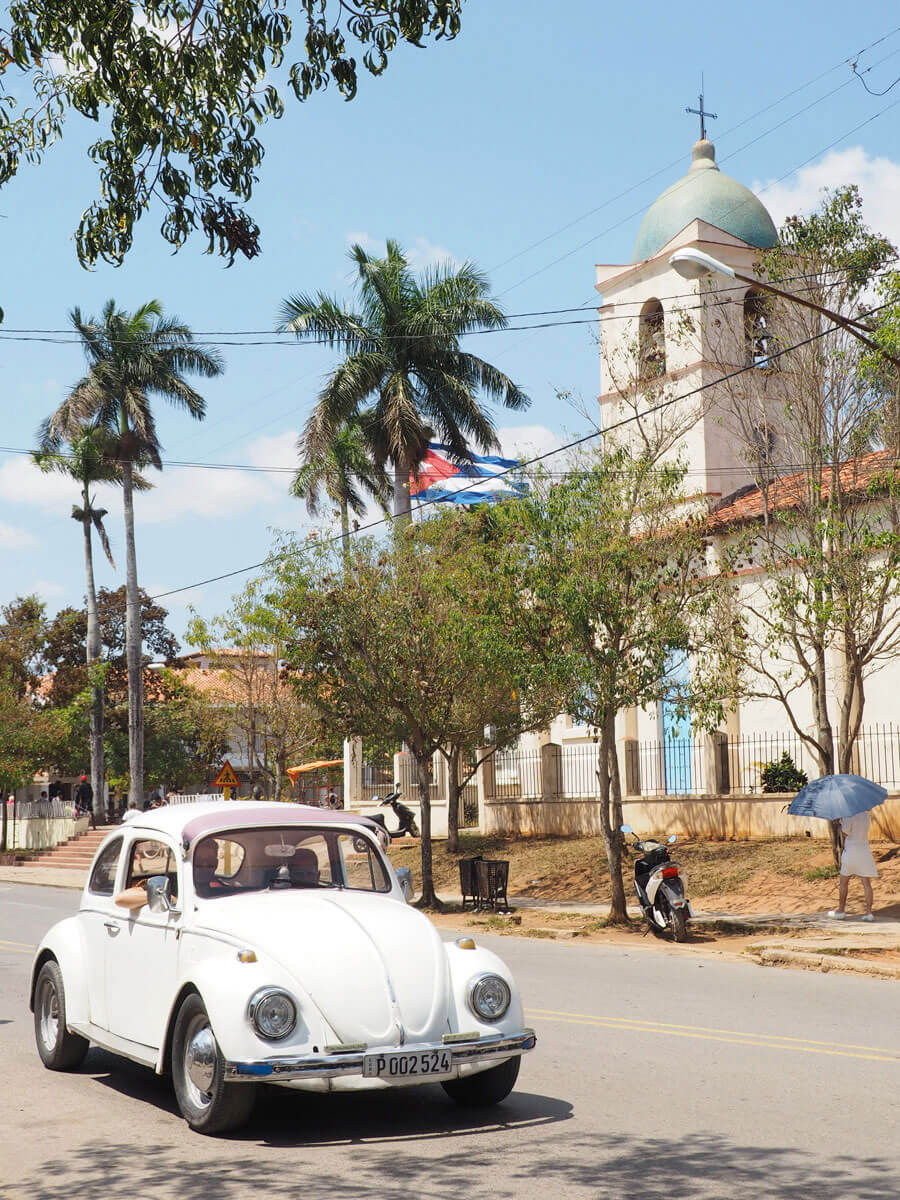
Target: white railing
[{"x": 32, "y": 810}]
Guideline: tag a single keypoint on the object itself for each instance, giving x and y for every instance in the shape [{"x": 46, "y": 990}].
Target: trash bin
[
  {"x": 468, "y": 881},
  {"x": 492, "y": 877}
]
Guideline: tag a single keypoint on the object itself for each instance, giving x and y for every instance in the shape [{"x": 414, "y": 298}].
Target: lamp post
[{"x": 695, "y": 264}]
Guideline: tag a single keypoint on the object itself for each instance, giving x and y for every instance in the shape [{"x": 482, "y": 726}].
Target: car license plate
[{"x": 411, "y": 1065}]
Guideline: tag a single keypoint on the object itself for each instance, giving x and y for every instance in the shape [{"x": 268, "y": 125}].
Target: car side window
[
  {"x": 103, "y": 876},
  {"x": 150, "y": 857}
]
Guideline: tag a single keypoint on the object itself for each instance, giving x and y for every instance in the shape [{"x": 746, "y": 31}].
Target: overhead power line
[{"x": 538, "y": 458}]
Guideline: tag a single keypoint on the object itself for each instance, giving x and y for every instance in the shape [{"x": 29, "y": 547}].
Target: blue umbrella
[{"x": 836, "y": 796}]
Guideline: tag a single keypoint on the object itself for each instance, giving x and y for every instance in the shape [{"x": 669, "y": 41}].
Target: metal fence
[
  {"x": 877, "y": 754},
  {"x": 378, "y": 775},
  {"x": 672, "y": 767},
  {"x": 517, "y": 773},
  {"x": 749, "y": 754}
]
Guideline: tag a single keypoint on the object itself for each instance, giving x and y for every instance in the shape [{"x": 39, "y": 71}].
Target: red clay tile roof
[{"x": 749, "y": 503}]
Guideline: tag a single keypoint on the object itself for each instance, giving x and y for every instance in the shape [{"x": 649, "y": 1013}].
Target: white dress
[{"x": 857, "y": 857}]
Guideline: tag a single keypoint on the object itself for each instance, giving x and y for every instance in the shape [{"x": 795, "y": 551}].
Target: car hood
[{"x": 376, "y": 969}]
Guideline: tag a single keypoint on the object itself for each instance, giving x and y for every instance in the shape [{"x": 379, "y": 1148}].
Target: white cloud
[
  {"x": 274, "y": 450},
  {"x": 46, "y": 589},
  {"x": 878, "y": 180},
  {"x": 12, "y": 538},
  {"x": 181, "y": 492},
  {"x": 526, "y": 441},
  {"x": 420, "y": 252},
  {"x": 21, "y": 482}
]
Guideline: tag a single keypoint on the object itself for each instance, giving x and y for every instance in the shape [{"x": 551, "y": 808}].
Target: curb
[{"x": 776, "y": 957}]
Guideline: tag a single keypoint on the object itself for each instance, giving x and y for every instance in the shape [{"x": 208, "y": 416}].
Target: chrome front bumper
[{"x": 329, "y": 1066}]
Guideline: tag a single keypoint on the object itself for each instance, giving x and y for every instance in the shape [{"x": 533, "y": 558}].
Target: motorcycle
[
  {"x": 660, "y": 887},
  {"x": 406, "y": 821}
]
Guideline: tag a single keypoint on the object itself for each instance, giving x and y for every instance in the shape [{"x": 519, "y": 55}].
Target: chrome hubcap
[
  {"x": 200, "y": 1062},
  {"x": 49, "y": 1015}
]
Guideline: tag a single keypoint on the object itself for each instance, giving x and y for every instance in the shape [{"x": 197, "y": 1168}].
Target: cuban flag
[{"x": 441, "y": 479}]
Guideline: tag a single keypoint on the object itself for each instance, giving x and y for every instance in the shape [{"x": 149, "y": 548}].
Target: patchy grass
[
  {"x": 829, "y": 872},
  {"x": 775, "y": 875}
]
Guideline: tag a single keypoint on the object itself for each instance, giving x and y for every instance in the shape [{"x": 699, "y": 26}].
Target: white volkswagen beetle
[{"x": 232, "y": 943}]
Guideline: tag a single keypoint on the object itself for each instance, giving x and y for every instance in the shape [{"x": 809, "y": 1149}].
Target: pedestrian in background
[
  {"x": 856, "y": 859},
  {"x": 84, "y": 798}
]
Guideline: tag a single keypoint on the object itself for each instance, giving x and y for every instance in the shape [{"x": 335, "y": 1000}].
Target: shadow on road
[{"x": 285, "y": 1151}]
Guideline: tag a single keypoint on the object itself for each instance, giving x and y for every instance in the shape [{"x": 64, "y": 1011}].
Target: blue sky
[{"x": 530, "y": 128}]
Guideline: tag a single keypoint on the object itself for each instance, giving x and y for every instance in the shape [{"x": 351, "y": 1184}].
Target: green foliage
[
  {"x": 782, "y": 775},
  {"x": 830, "y": 872},
  {"x": 404, "y": 362},
  {"x": 181, "y": 90},
  {"x": 185, "y": 734}
]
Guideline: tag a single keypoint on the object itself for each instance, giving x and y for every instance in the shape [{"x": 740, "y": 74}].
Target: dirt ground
[{"x": 779, "y": 875}]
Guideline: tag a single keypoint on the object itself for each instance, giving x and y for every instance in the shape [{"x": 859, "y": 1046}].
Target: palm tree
[
  {"x": 403, "y": 354},
  {"x": 131, "y": 358},
  {"x": 344, "y": 470},
  {"x": 86, "y": 460}
]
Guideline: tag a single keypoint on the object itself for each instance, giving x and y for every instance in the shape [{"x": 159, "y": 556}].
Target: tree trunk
[
  {"x": 133, "y": 649},
  {"x": 453, "y": 800},
  {"x": 428, "y": 898},
  {"x": 612, "y": 837},
  {"x": 92, "y": 653},
  {"x": 402, "y": 498},
  {"x": 279, "y": 775}
]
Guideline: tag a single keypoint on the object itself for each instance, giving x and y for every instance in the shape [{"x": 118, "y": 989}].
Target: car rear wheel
[
  {"x": 207, "y": 1102},
  {"x": 485, "y": 1088},
  {"x": 59, "y": 1049}
]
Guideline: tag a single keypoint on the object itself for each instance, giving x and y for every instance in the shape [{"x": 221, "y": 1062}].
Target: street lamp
[{"x": 694, "y": 264}]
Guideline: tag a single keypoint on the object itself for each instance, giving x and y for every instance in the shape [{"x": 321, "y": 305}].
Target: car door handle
[{"x": 113, "y": 926}]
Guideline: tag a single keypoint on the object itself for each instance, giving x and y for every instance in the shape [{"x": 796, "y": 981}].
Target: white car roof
[{"x": 187, "y": 822}]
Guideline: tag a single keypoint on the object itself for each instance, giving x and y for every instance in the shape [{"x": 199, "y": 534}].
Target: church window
[
  {"x": 758, "y": 341},
  {"x": 652, "y": 340}
]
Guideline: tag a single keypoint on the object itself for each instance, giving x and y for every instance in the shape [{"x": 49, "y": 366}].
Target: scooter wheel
[{"x": 678, "y": 924}]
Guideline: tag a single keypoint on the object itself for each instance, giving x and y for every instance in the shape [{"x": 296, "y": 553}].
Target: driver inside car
[
  {"x": 303, "y": 868},
  {"x": 206, "y": 862}
]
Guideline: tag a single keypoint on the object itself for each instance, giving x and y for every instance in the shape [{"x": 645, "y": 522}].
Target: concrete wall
[{"x": 713, "y": 818}]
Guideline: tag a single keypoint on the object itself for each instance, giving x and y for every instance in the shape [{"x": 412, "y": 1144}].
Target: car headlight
[
  {"x": 489, "y": 996},
  {"x": 273, "y": 1013}
]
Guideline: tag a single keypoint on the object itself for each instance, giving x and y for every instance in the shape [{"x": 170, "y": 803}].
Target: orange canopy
[{"x": 295, "y": 772}]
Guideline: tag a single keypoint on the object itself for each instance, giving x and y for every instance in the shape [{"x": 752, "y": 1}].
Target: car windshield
[{"x": 257, "y": 860}]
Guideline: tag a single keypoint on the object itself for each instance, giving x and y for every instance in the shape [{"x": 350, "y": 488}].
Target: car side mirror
[
  {"x": 404, "y": 878},
  {"x": 626, "y": 829},
  {"x": 159, "y": 898}
]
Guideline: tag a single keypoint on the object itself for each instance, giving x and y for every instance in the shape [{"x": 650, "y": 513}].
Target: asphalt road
[{"x": 658, "y": 1074}]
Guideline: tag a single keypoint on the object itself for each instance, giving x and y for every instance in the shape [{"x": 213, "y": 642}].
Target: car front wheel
[
  {"x": 486, "y": 1087},
  {"x": 59, "y": 1049},
  {"x": 207, "y": 1102}
]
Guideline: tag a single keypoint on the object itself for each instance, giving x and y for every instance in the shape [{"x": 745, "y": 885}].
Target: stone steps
[{"x": 77, "y": 853}]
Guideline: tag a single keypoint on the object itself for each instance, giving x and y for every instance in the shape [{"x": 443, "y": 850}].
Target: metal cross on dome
[{"x": 702, "y": 113}]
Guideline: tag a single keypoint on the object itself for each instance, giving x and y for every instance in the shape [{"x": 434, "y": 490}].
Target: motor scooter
[
  {"x": 406, "y": 821},
  {"x": 660, "y": 887}
]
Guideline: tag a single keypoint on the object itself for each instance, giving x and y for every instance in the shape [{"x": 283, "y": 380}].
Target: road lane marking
[
  {"x": 10, "y": 942},
  {"x": 763, "y": 1041},
  {"x": 771, "y": 1037},
  {"x": 16, "y": 947}
]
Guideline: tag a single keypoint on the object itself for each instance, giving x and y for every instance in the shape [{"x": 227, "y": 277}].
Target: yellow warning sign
[{"x": 226, "y": 777}]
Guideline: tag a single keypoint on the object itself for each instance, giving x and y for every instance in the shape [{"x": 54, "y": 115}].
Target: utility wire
[{"x": 571, "y": 445}]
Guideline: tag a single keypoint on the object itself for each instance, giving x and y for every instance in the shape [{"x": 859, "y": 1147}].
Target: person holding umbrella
[
  {"x": 848, "y": 799},
  {"x": 856, "y": 859}
]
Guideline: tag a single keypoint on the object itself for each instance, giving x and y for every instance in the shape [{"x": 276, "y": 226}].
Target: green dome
[{"x": 713, "y": 197}]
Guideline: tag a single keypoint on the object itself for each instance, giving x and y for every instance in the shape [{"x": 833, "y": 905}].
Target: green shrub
[{"x": 782, "y": 775}]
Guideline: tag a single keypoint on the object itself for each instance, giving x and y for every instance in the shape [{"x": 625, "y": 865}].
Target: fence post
[
  {"x": 353, "y": 772},
  {"x": 632, "y": 766},
  {"x": 551, "y": 771},
  {"x": 405, "y": 774},
  {"x": 715, "y": 753},
  {"x": 485, "y": 778}
]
